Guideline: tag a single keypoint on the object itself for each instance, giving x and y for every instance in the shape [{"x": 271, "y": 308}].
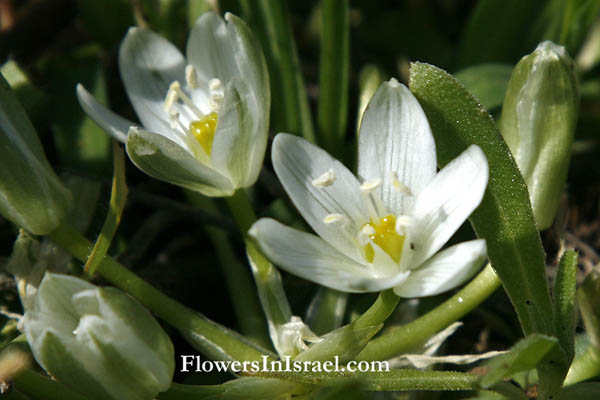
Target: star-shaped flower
[
  {"x": 384, "y": 232},
  {"x": 206, "y": 118}
]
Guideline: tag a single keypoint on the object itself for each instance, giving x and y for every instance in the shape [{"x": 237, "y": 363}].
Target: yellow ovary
[
  {"x": 386, "y": 237},
  {"x": 204, "y": 131}
]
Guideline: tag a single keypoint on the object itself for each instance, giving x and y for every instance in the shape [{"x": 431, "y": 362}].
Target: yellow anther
[
  {"x": 386, "y": 237},
  {"x": 204, "y": 131}
]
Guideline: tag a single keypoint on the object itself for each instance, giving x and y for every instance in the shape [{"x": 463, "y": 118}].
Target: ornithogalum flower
[
  {"x": 205, "y": 119},
  {"x": 98, "y": 341},
  {"x": 384, "y": 229}
]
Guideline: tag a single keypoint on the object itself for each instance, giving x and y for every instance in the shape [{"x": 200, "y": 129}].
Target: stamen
[
  {"x": 216, "y": 94},
  {"x": 170, "y": 99},
  {"x": 333, "y": 218},
  {"x": 364, "y": 235},
  {"x": 324, "y": 180},
  {"x": 176, "y": 87},
  {"x": 402, "y": 221},
  {"x": 399, "y": 186},
  {"x": 368, "y": 186},
  {"x": 190, "y": 77},
  {"x": 214, "y": 84}
]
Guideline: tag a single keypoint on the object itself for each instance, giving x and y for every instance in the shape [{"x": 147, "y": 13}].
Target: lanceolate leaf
[{"x": 504, "y": 218}]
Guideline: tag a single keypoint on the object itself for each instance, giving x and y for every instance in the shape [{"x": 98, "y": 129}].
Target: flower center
[
  {"x": 204, "y": 131},
  {"x": 203, "y": 128},
  {"x": 383, "y": 233}
]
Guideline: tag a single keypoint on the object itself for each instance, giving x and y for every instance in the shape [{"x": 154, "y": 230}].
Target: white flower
[
  {"x": 205, "y": 119},
  {"x": 384, "y": 232},
  {"x": 98, "y": 341}
]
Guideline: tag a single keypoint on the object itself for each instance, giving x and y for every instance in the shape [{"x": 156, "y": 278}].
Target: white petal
[
  {"x": 297, "y": 164},
  {"x": 240, "y": 139},
  {"x": 164, "y": 159},
  {"x": 445, "y": 203},
  {"x": 311, "y": 258},
  {"x": 149, "y": 64},
  {"x": 113, "y": 124},
  {"x": 445, "y": 270},
  {"x": 226, "y": 50},
  {"x": 395, "y": 137}
]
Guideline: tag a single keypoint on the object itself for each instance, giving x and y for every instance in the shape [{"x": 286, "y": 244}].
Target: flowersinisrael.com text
[{"x": 193, "y": 363}]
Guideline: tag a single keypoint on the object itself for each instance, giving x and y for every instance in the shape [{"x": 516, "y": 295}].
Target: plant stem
[
  {"x": 383, "y": 307},
  {"x": 241, "y": 288},
  {"x": 205, "y": 335},
  {"x": 401, "y": 339}
]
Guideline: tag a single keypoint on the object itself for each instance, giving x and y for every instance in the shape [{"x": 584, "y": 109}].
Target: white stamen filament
[
  {"x": 333, "y": 218},
  {"x": 324, "y": 180},
  {"x": 190, "y": 77},
  {"x": 179, "y": 94}
]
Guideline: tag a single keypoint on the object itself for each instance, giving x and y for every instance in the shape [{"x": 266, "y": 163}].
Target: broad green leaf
[
  {"x": 565, "y": 311},
  {"x": 487, "y": 82},
  {"x": 504, "y": 218},
  {"x": 525, "y": 355},
  {"x": 29, "y": 96}
]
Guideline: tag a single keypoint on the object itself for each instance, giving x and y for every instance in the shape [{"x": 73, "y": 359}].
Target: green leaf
[
  {"x": 269, "y": 20},
  {"x": 236, "y": 389},
  {"x": 504, "y": 218},
  {"x": 523, "y": 356},
  {"x": 565, "y": 311},
  {"x": 487, "y": 82},
  {"x": 382, "y": 379},
  {"x": 334, "y": 69}
]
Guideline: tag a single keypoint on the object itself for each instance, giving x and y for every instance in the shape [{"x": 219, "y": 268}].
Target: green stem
[
  {"x": 242, "y": 290},
  {"x": 205, "y": 335},
  {"x": 326, "y": 310},
  {"x": 42, "y": 387},
  {"x": 268, "y": 280},
  {"x": 405, "y": 338},
  {"x": 383, "y": 307},
  {"x": 270, "y": 20},
  {"x": 333, "y": 78}
]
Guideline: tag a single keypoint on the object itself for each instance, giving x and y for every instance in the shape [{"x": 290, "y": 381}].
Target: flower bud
[
  {"x": 31, "y": 195},
  {"x": 98, "y": 341},
  {"x": 539, "y": 116}
]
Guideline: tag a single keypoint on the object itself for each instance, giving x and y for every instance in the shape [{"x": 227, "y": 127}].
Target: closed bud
[
  {"x": 98, "y": 341},
  {"x": 539, "y": 116},
  {"x": 31, "y": 195}
]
